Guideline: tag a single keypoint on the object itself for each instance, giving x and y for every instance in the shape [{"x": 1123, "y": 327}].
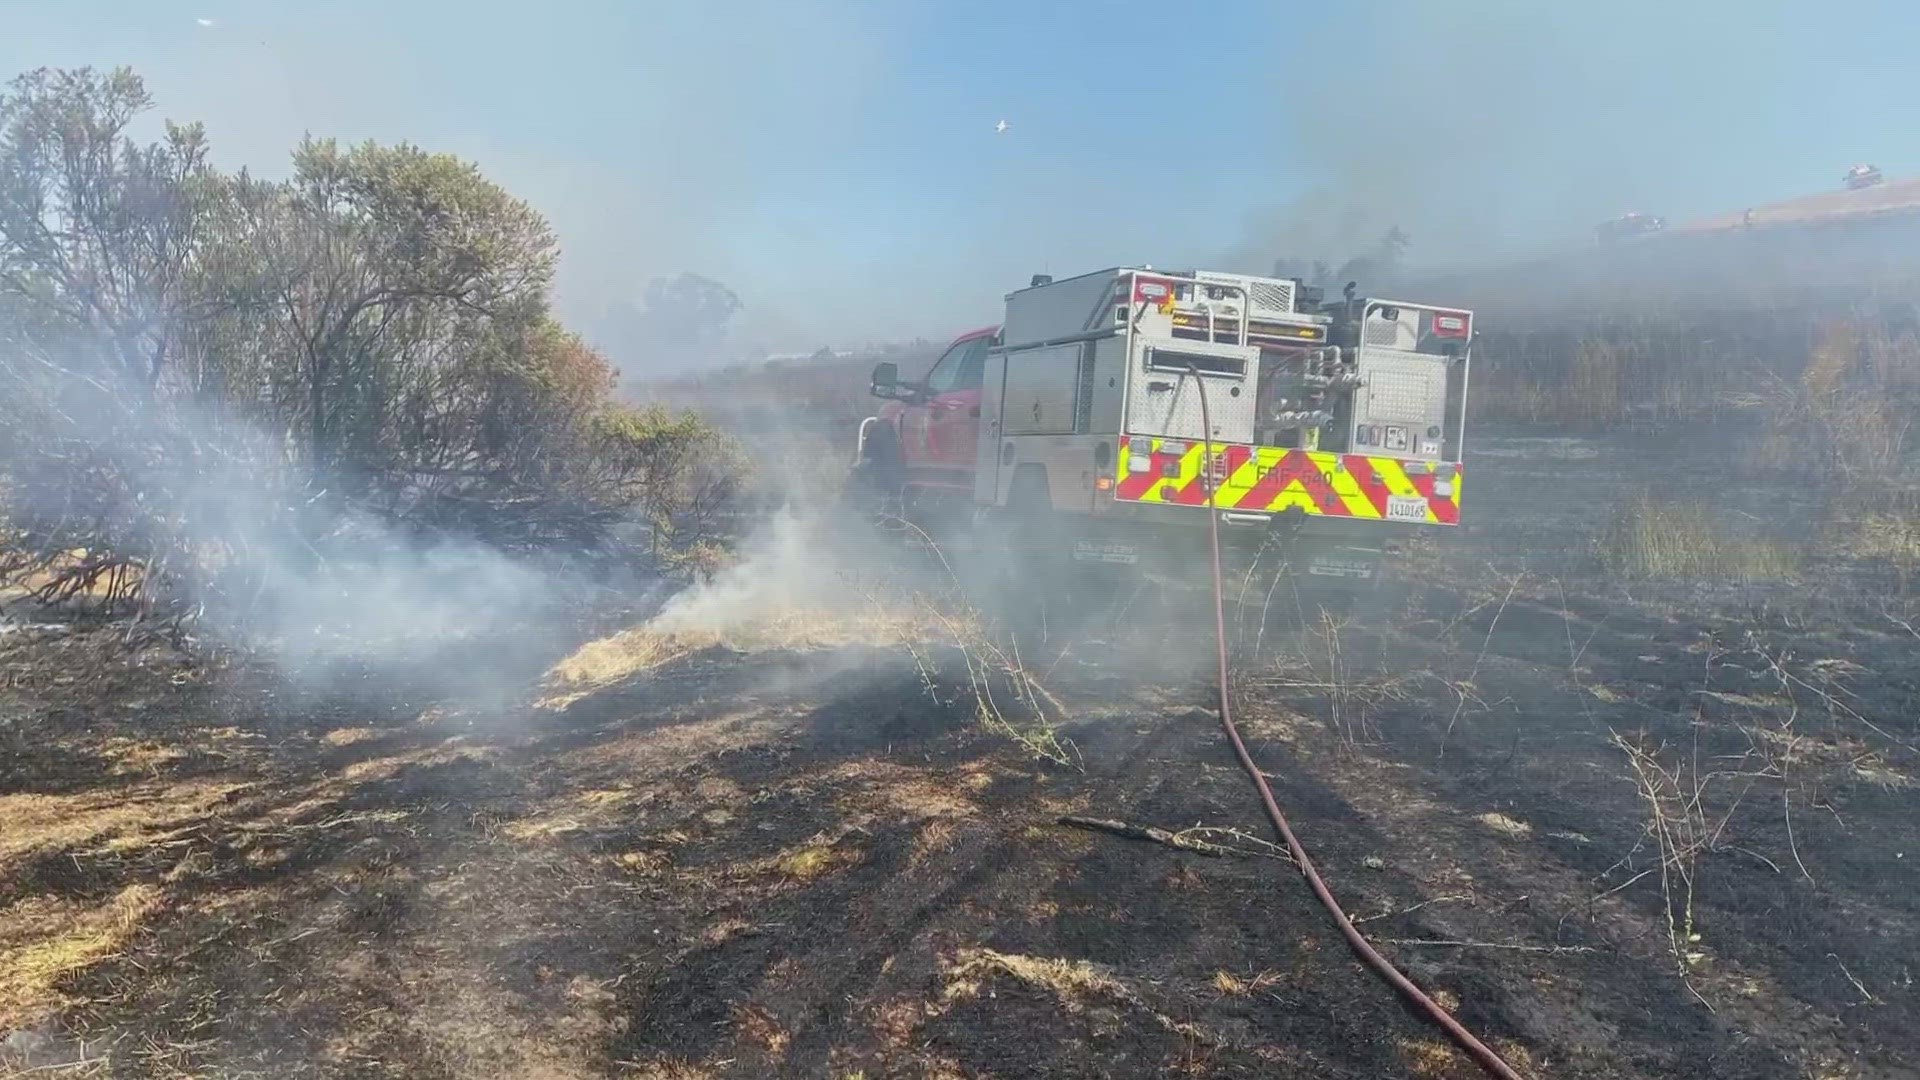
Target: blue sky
[{"x": 835, "y": 160}]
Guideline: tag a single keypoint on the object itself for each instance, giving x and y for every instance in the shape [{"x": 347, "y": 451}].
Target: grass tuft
[
  {"x": 1653, "y": 539},
  {"x": 1070, "y": 981},
  {"x": 1504, "y": 825},
  {"x": 44, "y": 941}
]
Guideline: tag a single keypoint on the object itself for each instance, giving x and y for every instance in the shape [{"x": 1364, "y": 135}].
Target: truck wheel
[
  {"x": 1030, "y": 573},
  {"x": 878, "y": 477},
  {"x": 1029, "y": 512}
]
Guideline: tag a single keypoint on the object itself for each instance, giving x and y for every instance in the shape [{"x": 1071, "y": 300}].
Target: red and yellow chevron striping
[{"x": 1271, "y": 479}]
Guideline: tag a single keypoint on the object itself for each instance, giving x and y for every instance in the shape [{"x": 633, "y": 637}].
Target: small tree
[
  {"x": 101, "y": 241},
  {"x": 203, "y": 376}
]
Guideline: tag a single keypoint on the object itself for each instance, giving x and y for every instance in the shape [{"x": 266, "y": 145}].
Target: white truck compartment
[
  {"x": 1051, "y": 311},
  {"x": 1164, "y": 399}
]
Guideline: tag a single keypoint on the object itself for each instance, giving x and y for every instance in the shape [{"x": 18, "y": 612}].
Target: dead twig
[
  {"x": 1263, "y": 848},
  {"x": 1411, "y": 908},
  {"x": 1474, "y": 673},
  {"x": 1184, "y": 840},
  {"x": 1866, "y": 996},
  {"x": 1441, "y": 943}
]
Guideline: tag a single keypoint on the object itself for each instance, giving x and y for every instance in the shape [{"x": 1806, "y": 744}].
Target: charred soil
[{"x": 1623, "y": 824}]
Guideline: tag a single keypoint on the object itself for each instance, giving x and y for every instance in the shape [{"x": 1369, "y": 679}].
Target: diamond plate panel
[
  {"x": 1274, "y": 296},
  {"x": 1404, "y": 389},
  {"x": 1380, "y": 334},
  {"x": 1167, "y": 403}
]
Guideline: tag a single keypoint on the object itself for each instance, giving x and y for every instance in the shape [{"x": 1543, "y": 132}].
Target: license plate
[
  {"x": 1406, "y": 508},
  {"x": 1340, "y": 568},
  {"x": 1096, "y": 551}
]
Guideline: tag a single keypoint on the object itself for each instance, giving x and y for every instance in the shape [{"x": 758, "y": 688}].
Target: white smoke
[{"x": 796, "y": 566}]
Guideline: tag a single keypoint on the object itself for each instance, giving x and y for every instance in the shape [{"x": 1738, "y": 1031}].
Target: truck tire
[
  {"x": 1029, "y": 513},
  {"x": 879, "y": 476},
  {"x": 1029, "y": 571}
]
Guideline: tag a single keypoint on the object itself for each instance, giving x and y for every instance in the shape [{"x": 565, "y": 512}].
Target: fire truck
[{"x": 1332, "y": 430}]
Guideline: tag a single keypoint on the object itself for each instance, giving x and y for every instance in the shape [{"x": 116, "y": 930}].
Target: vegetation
[
  {"x": 1656, "y": 539},
  {"x": 196, "y": 366}
]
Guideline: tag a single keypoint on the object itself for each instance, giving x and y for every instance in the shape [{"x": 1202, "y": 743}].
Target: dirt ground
[{"x": 1624, "y": 828}]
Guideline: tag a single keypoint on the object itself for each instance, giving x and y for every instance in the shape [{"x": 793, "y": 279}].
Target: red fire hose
[{"x": 1479, "y": 1051}]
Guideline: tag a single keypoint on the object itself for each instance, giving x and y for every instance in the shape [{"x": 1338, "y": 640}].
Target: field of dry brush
[{"x": 1624, "y": 772}]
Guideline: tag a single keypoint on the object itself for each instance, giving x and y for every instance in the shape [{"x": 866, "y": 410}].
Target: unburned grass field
[{"x": 1623, "y": 772}]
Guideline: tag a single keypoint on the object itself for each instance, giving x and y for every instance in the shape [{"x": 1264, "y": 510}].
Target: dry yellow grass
[
  {"x": 723, "y": 931},
  {"x": 607, "y": 798},
  {"x": 44, "y": 940},
  {"x": 534, "y": 830},
  {"x": 895, "y": 1022},
  {"x": 1892, "y": 538},
  {"x": 813, "y": 860},
  {"x": 123, "y": 820},
  {"x": 1430, "y": 1057},
  {"x": 613, "y": 659},
  {"x": 1071, "y": 981},
  {"x": 758, "y": 1026},
  {"x": 642, "y": 862},
  {"x": 139, "y": 757},
  {"x": 389, "y": 766},
  {"x": 127, "y": 577},
  {"x": 665, "y": 1070},
  {"x": 1233, "y": 985},
  {"x": 1651, "y": 538},
  {"x": 1875, "y": 770},
  {"x": 900, "y": 791},
  {"x": 1505, "y": 825},
  {"x": 662, "y": 751},
  {"x": 609, "y": 659},
  {"x": 937, "y": 837},
  {"x": 352, "y": 736}
]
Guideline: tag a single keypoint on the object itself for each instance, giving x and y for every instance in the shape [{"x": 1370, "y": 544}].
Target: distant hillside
[
  {"x": 1835, "y": 248},
  {"x": 809, "y": 399},
  {"x": 1892, "y": 197}
]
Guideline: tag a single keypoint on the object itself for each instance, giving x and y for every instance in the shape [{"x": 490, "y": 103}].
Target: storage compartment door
[
  {"x": 1163, "y": 398},
  {"x": 986, "y": 469}
]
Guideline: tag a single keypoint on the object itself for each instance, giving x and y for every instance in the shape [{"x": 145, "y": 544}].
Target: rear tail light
[
  {"x": 1170, "y": 455},
  {"x": 1451, "y": 324},
  {"x": 1148, "y": 290}
]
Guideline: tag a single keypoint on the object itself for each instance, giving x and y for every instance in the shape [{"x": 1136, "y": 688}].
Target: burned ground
[{"x": 1625, "y": 824}]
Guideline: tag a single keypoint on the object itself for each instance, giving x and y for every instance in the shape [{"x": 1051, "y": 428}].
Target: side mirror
[{"x": 886, "y": 379}]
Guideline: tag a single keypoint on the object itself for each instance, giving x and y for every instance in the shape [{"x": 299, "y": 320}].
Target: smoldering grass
[
  {"x": 1022, "y": 711},
  {"x": 801, "y": 585}
]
